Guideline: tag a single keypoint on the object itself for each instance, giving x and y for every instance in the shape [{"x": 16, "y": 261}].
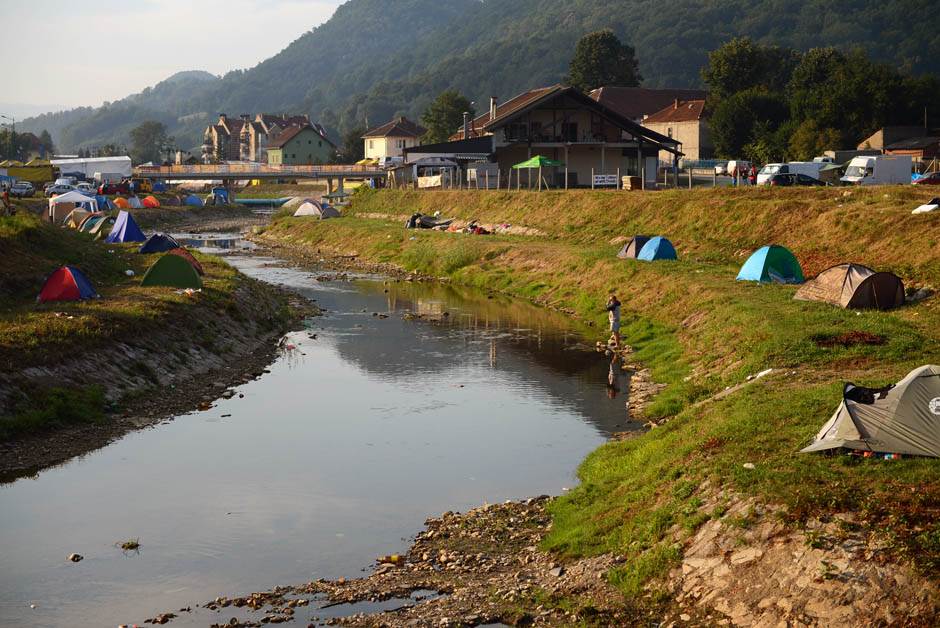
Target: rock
[
  {"x": 557, "y": 572},
  {"x": 749, "y": 465},
  {"x": 746, "y": 556},
  {"x": 75, "y": 557},
  {"x": 228, "y": 394},
  {"x": 685, "y": 617}
]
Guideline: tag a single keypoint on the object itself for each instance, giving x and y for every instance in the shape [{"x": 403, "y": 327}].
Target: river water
[{"x": 363, "y": 427}]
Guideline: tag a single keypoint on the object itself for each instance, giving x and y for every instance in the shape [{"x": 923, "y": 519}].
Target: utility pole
[{"x": 12, "y": 119}]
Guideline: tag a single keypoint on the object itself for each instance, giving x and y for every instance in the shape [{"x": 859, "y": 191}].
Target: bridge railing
[{"x": 248, "y": 170}]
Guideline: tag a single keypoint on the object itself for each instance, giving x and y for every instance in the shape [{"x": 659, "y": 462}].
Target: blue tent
[
  {"x": 657, "y": 248},
  {"x": 220, "y": 195},
  {"x": 771, "y": 263},
  {"x": 104, "y": 204},
  {"x": 159, "y": 243},
  {"x": 159, "y": 186},
  {"x": 125, "y": 230},
  {"x": 193, "y": 201}
]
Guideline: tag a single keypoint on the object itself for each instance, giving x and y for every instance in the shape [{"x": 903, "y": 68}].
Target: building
[
  {"x": 222, "y": 140},
  {"x": 685, "y": 122},
  {"x": 636, "y": 103},
  {"x": 244, "y": 139},
  {"x": 891, "y": 135},
  {"x": 921, "y": 148},
  {"x": 563, "y": 124},
  {"x": 392, "y": 138},
  {"x": 300, "y": 145}
]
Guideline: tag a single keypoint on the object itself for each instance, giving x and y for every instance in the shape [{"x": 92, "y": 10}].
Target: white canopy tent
[{"x": 61, "y": 205}]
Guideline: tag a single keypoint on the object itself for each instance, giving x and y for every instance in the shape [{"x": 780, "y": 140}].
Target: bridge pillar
[
  {"x": 329, "y": 185},
  {"x": 339, "y": 185}
]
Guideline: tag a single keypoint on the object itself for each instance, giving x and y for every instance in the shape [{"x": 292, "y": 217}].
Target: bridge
[{"x": 228, "y": 172}]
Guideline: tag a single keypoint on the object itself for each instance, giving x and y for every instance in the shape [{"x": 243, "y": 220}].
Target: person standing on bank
[{"x": 613, "y": 315}]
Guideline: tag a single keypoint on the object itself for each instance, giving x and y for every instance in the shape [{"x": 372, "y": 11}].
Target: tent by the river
[
  {"x": 67, "y": 283},
  {"x": 159, "y": 243},
  {"x": 854, "y": 286},
  {"x": 125, "y": 229},
  {"x": 658, "y": 248},
  {"x": 320, "y": 210},
  {"x": 186, "y": 255},
  {"x": 173, "y": 271},
  {"x": 150, "y": 201},
  {"x": 771, "y": 263},
  {"x": 193, "y": 201},
  {"x": 898, "y": 419},
  {"x": 633, "y": 247}
]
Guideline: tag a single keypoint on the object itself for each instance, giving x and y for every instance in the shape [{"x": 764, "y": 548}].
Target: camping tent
[
  {"x": 125, "y": 230},
  {"x": 854, "y": 286},
  {"x": 927, "y": 207},
  {"x": 311, "y": 207},
  {"x": 174, "y": 271},
  {"x": 103, "y": 227},
  {"x": 61, "y": 205},
  {"x": 633, "y": 247},
  {"x": 193, "y": 201},
  {"x": 186, "y": 255},
  {"x": 67, "y": 284},
  {"x": 656, "y": 249},
  {"x": 134, "y": 202},
  {"x": 121, "y": 203},
  {"x": 159, "y": 243},
  {"x": 172, "y": 201},
  {"x": 771, "y": 263},
  {"x": 90, "y": 222},
  {"x": 151, "y": 201},
  {"x": 103, "y": 203},
  {"x": 900, "y": 419},
  {"x": 76, "y": 217}
]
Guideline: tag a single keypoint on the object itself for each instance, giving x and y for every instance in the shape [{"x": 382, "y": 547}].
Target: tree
[
  {"x": 445, "y": 115},
  {"x": 809, "y": 140},
  {"x": 45, "y": 142},
  {"x": 353, "y": 148},
  {"x": 741, "y": 64},
  {"x": 147, "y": 141},
  {"x": 600, "y": 59},
  {"x": 738, "y": 119}
]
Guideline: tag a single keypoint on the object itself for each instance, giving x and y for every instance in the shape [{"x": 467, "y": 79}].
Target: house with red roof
[
  {"x": 392, "y": 138},
  {"x": 685, "y": 121}
]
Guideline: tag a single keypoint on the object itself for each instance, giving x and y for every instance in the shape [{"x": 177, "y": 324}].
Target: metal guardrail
[{"x": 248, "y": 171}]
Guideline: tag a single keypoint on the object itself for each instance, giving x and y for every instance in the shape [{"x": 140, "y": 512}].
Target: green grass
[{"x": 54, "y": 408}]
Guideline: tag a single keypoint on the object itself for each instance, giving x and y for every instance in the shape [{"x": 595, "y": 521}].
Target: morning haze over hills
[{"x": 374, "y": 59}]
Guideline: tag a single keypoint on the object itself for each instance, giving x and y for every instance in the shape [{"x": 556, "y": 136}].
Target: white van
[
  {"x": 808, "y": 168},
  {"x": 878, "y": 170}
]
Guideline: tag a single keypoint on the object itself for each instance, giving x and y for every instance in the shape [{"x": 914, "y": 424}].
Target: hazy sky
[{"x": 68, "y": 53}]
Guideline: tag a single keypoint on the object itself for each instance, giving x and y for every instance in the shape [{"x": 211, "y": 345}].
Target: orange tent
[
  {"x": 121, "y": 203},
  {"x": 151, "y": 201}
]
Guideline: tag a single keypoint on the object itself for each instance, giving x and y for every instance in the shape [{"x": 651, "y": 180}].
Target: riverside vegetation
[{"x": 699, "y": 331}]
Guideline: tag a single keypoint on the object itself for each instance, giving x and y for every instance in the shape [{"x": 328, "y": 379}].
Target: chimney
[
  {"x": 223, "y": 118},
  {"x": 492, "y": 107},
  {"x": 676, "y": 104},
  {"x": 466, "y": 125}
]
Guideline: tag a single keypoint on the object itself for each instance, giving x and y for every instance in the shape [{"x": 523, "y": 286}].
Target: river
[{"x": 364, "y": 426}]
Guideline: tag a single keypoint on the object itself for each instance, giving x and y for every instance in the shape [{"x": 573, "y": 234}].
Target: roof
[
  {"x": 399, "y": 127},
  {"x": 288, "y": 134},
  {"x": 914, "y": 143},
  {"x": 636, "y": 102},
  {"x": 510, "y": 106},
  {"x": 282, "y": 120},
  {"x": 474, "y": 146},
  {"x": 679, "y": 111}
]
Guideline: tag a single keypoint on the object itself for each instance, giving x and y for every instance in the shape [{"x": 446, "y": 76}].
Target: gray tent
[
  {"x": 633, "y": 247},
  {"x": 902, "y": 419},
  {"x": 311, "y": 207},
  {"x": 854, "y": 286}
]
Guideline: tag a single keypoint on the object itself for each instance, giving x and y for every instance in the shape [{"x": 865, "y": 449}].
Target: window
[
  {"x": 310, "y": 141},
  {"x": 669, "y": 131},
  {"x": 569, "y": 131},
  {"x": 293, "y": 156},
  {"x": 320, "y": 143}
]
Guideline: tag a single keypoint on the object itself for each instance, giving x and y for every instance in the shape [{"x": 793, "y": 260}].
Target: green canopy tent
[{"x": 536, "y": 162}]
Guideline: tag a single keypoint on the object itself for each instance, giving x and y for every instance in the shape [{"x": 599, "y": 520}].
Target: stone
[
  {"x": 557, "y": 572},
  {"x": 745, "y": 556}
]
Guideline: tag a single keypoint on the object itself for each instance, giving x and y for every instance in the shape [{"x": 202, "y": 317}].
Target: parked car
[
  {"x": 932, "y": 178},
  {"x": 794, "y": 178},
  {"x": 721, "y": 169},
  {"x": 58, "y": 188},
  {"x": 22, "y": 189},
  {"x": 114, "y": 188},
  {"x": 86, "y": 188}
]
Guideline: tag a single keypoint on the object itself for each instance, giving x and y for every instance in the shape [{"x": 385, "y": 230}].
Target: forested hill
[{"x": 376, "y": 58}]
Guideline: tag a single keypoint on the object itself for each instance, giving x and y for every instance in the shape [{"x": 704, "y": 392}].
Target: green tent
[
  {"x": 174, "y": 271},
  {"x": 536, "y": 162}
]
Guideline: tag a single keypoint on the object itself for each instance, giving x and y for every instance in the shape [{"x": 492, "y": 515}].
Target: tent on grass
[
  {"x": 311, "y": 207},
  {"x": 103, "y": 203},
  {"x": 186, "y": 255},
  {"x": 657, "y": 248},
  {"x": 121, "y": 203},
  {"x": 853, "y": 286},
  {"x": 172, "y": 201},
  {"x": 927, "y": 207},
  {"x": 771, "y": 264},
  {"x": 125, "y": 230},
  {"x": 101, "y": 227},
  {"x": 193, "y": 201},
  {"x": 174, "y": 271},
  {"x": 899, "y": 419},
  {"x": 61, "y": 205},
  {"x": 151, "y": 201},
  {"x": 67, "y": 284},
  {"x": 633, "y": 247},
  {"x": 76, "y": 217},
  {"x": 90, "y": 222},
  {"x": 134, "y": 202},
  {"x": 159, "y": 243}
]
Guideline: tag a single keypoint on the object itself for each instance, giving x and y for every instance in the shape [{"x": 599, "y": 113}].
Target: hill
[{"x": 368, "y": 63}]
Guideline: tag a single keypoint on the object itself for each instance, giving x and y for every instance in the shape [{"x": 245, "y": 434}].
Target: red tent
[{"x": 67, "y": 284}]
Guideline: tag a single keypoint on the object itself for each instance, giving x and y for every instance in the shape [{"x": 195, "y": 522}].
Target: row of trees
[
  {"x": 769, "y": 103},
  {"x": 21, "y": 146}
]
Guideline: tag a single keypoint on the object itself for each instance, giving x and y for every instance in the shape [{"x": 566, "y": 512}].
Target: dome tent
[
  {"x": 150, "y": 201},
  {"x": 853, "y": 286},
  {"x": 173, "y": 271},
  {"x": 193, "y": 201},
  {"x": 159, "y": 243},
  {"x": 186, "y": 255},
  {"x": 633, "y": 247},
  {"x": 311, "y": 207},
  {"x": 899, "y": 419},
  {"x": 771, "y": 263},
  {"x": 66, "y": 284},
  {"x": 658, "y": 248},
  {"x": 121, "y": 203},
  {"x": 76, "y": 217},
  {"x": 125, "y": 230}
]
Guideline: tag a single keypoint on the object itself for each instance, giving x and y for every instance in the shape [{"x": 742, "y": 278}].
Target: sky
[{"x": 64, "y": 54}]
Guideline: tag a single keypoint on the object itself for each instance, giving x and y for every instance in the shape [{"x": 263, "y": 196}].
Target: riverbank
[
  {"x": 76, "y": 375},
  {"x": 647, "y": 499}
]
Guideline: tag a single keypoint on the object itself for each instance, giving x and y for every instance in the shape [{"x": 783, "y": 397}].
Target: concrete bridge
[{"x": 229, "y": 172}]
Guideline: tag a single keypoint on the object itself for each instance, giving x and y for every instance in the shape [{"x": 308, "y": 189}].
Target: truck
[{"x": 878, "y": 170}]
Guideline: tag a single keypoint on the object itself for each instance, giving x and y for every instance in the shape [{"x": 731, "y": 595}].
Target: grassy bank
[
  {"x": 37, "y": 338},
  {"x": 699, "y": 331}
]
